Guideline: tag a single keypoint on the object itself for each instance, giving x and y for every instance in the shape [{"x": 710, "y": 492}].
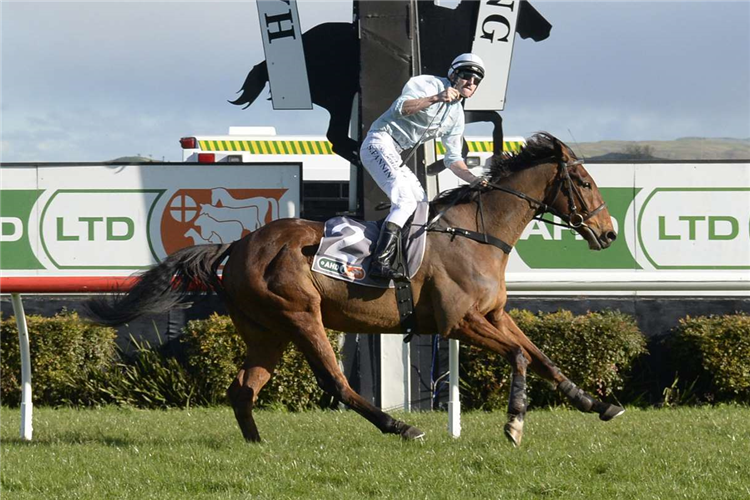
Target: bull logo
[{"x": 218, "y": 215}]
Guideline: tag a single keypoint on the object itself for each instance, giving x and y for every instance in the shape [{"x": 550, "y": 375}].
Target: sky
[{"x": 97, "y": 80}]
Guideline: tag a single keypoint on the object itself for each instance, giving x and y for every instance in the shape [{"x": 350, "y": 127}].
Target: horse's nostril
[{"x": 611, "y": 235}]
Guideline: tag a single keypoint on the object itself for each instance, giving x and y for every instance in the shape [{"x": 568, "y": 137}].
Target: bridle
[
  {"x": 575, "y": 219},
  {"x": 563, "y": 181}
]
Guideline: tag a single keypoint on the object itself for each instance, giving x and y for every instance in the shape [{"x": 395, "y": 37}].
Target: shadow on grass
[
  {"x": 74, "y": 438},
  {"x": 81, "y": 439}
]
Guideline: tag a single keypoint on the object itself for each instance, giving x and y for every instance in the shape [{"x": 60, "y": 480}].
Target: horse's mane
[{"x": 539, "y": 147}]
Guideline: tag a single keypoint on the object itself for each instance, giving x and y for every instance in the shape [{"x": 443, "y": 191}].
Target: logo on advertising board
[
  {"x": 696, "y": 228},
  {"x": 218, "y": 215},
  {"x": 98, "y": 228}
]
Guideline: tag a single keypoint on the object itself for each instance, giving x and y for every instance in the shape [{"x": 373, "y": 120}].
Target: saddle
[{"x": 345, "y": 249}]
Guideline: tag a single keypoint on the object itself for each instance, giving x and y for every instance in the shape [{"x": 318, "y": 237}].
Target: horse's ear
[
  {"x": 561, "y": 151},
  {"x": 558, "y": 148}
]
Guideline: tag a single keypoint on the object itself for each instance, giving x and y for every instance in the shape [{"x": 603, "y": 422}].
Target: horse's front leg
[
  {"x": 545, "y": 368},
  {"x": 476, "y": 330},
  {"x": 517, "y": 401}
]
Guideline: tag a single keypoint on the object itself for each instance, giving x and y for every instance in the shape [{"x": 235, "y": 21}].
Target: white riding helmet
[{"x": 469, "y": 61}]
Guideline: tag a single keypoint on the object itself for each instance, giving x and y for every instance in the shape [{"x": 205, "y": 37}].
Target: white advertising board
[
  {"x": 681, "y": 226},
  {"x": 103, "y": 220}
]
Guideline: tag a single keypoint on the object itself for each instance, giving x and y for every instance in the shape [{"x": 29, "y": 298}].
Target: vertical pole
[
  {"x": 27, "y": 406},
  {"x": 392, "y": 372},
  {"x": 406, "y": 360},
  {"x": 454, "y": 404},
  {"x": 354, "y": 169},
  {"x": 385, "y": 68}
]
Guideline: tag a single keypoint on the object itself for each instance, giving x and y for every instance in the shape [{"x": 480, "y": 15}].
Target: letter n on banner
[
  {"x": 285, "y": 56},
  {"x": 493, "y": 42}
]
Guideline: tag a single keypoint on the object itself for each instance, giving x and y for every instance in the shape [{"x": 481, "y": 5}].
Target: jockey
[{"x": 429, "y": 107}]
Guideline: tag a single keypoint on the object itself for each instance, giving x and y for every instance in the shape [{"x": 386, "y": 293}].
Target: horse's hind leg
[
  {"x": 263, "y": 353},
  {"x": 542, "y": 365},
  {"x": 317, "y": 349}
]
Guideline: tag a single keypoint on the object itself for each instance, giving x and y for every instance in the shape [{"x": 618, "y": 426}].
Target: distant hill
[
  {"x": 131, "y": 159},
  {"x": 687, "y": 148}
]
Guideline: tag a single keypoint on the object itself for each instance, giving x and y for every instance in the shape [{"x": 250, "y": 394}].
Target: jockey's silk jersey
[{"x": 445, "y": 120}]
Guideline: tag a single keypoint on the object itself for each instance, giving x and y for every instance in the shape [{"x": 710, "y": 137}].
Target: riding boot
[{"x": 386, "y": 252}]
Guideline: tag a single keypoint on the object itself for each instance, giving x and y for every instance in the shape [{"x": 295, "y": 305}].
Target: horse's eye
[{"x": 587, "y": 185}]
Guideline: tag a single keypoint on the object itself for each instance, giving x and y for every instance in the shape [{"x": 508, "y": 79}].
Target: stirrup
[{"x": 385, "y": 272}]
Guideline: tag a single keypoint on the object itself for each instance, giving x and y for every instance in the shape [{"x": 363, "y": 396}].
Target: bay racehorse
[{"x": 274, "y": 298}]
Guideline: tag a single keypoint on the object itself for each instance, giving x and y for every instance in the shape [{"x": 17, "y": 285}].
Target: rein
[{"x": 573, "y": 220}]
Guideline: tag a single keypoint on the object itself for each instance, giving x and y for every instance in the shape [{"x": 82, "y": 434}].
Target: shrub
[
  {"x": 77, "y": 363},
  {"x": 215, "y": 352},
  {"x": 595, "y": 351},
  {"x": 147, "y": 379},
  {"x": 712, "y": 353},
  {"x": 65, "y": 352}
]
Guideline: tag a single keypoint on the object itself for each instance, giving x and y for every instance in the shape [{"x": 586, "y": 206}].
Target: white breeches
[{"x": 381, "y": 157}]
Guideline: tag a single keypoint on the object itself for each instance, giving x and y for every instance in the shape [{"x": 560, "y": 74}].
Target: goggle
[{"x": 467, "y": 75}]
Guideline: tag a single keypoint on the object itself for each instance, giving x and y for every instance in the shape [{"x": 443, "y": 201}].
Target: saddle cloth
[{"x": 344, "y": 251}]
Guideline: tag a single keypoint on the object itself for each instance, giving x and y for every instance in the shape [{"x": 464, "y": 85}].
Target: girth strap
[
  {"x": 404, "y": 295},
  {"x": 405, "y": 306},
  {"x": 473, "y": 235}
]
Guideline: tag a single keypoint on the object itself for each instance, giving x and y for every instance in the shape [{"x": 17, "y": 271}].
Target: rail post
[
  {"x": 454, "y": 402},
  {"x": 27, "y": 406}
]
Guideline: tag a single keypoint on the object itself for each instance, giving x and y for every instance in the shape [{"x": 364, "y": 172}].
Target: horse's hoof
[
  {"x": 410, "y": 433},
  {"x": 611, "y": 412},
  {"x": 514, "y": 432}
]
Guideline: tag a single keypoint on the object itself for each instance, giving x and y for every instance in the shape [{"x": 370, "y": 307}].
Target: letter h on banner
[{"x": 285, "y": 55}]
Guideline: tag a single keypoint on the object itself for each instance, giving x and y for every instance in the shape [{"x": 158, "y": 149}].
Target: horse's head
[
  {"x": 547, "y": 175},
  {"x": 574, "y": 197}
]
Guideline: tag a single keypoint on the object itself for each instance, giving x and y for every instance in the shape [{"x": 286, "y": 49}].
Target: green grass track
[{"x": 696, "y": 453}]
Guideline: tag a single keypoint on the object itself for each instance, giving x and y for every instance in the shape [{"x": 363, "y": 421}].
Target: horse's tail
[
  {"x": 254, "y": 83},
  {"x": 163, "y": 286}
]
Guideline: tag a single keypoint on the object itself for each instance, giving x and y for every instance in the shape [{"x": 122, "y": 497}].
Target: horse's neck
[{"x": 507, "y": 215}]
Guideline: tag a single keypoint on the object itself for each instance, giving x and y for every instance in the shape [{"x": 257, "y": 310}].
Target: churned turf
[{"x": 199, "y": 453}]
